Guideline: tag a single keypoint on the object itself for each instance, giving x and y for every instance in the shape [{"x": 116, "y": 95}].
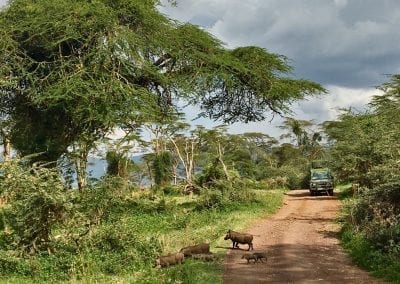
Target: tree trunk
[
  {"x": 80, "y": 167},
  {"x": 224, "y": 168},
  {"x": 190, "y": 162},
  {"x": 81, "y": 153},
  {"x": 7, "y": 148},
  {"x": 149, "y": 172},
  {"x": 187, "y": 163},
  {"x": 175, "y": 173}
]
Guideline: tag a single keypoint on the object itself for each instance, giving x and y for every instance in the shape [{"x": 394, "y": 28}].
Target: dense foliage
[
  {"x": 364, "y": 147},
  {"x": 112, "y": 233},
  {"x": 73, "y": 71}
]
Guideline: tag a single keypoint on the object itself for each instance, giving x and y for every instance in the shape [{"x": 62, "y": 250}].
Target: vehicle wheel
[{"x": 330, "y": 192}]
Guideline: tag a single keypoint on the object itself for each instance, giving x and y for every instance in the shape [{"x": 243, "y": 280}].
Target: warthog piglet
[
  {"x": 249, "y": 256},
  {"x": 170, "y": 259},
  {"x": 260, "y": 255}
]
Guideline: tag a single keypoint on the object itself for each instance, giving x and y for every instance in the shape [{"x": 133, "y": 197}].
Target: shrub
[
  {"x": 276, "y": 182},
  {"x": 225, "y": 193},
  {"x": 10, "y": 264},
  {"x": 376, "y": 214},
  {"x": 210, "y": 199},
  {"x": 365, "y": 254},
  {"x": 210, "y": 174},
  {"x": 172, "y": 190},
  {"x": 162, "y": 165},
  {"x": 38, "y": 202}
]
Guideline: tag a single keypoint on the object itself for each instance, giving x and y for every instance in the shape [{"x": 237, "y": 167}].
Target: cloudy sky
[{"x": 349, "y": 46}]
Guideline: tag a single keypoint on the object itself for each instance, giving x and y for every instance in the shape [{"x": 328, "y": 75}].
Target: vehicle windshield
[{"x": 320, "y": 175}]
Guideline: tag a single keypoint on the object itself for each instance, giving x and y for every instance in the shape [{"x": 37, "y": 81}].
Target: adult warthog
[
  {"x": 239, "y": 238},
  {"x": 203, "y": 248}
]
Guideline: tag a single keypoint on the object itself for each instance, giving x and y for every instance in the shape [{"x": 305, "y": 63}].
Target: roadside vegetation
[
  {"x": 112, "y": 233},
  {"x": 365, "y": 148}
]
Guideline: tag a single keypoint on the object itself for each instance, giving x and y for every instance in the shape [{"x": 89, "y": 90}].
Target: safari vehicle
[{"x": 321, "y": 179}]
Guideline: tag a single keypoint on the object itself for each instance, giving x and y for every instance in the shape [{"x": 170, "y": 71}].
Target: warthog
[
  {"x": 248, "y": 256},
  {"x": 260, "y": 255},
  {"x": 196, "y": 249},
  {"x": 204, "y": 256},
  {"x": 170, "y": 259},
  {"x": 239, "y": 238},
  {"x": 255, "y": 255}
]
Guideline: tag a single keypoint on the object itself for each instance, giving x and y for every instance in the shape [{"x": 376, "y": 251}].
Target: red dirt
[{"x": 302, "y": 245}]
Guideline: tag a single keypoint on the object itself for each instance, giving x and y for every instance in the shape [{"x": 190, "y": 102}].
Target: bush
[
  {"x": 297, "y": 177},
  {"x": 376, "y": 214},
  {"x": 172, "y": 190},
  {"x": 276, "y": 182},
  {"x": 38, "y": 203},
  {"x": 224, "y": 194},
  {"x": 12, "y": 265},
  {"x": 211, "y": 173},
  {"x": 365, "y": 254},
  {"x": 162, "y": 165},
  {"x": 210, "y": 199}
]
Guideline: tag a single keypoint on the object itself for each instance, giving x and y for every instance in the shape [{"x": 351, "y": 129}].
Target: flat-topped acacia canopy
[{"x": 74, "y": 70}]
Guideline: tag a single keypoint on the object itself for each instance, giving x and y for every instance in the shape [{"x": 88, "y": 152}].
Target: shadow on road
[
  {"x": 288, "y": 263},
  {"x": 230, "y": 248},
  {"x": 305, "y": 194}
]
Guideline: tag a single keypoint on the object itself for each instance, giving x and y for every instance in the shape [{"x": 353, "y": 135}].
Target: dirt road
[{"x": 302, "y": 245}]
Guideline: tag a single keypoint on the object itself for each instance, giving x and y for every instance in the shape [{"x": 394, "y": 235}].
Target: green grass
[
  {"x": 378, "y": 263},
  {"x": 203, "y": 226},
  {"x": 123, "y": 248}
]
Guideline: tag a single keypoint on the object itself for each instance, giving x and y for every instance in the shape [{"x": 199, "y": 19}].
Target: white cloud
[
  {"x": 329, "y": 107},
  {"x": 317, "y": 109}
]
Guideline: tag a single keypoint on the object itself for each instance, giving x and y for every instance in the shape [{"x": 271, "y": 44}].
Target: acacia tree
[
  {"x": 213, "y": 142},
  {"x": 74, "y": 70},
  {"x": 387, "y": 107},
  {"x": 354, "y": 139},
  {"x": 306, "y": 135}
]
